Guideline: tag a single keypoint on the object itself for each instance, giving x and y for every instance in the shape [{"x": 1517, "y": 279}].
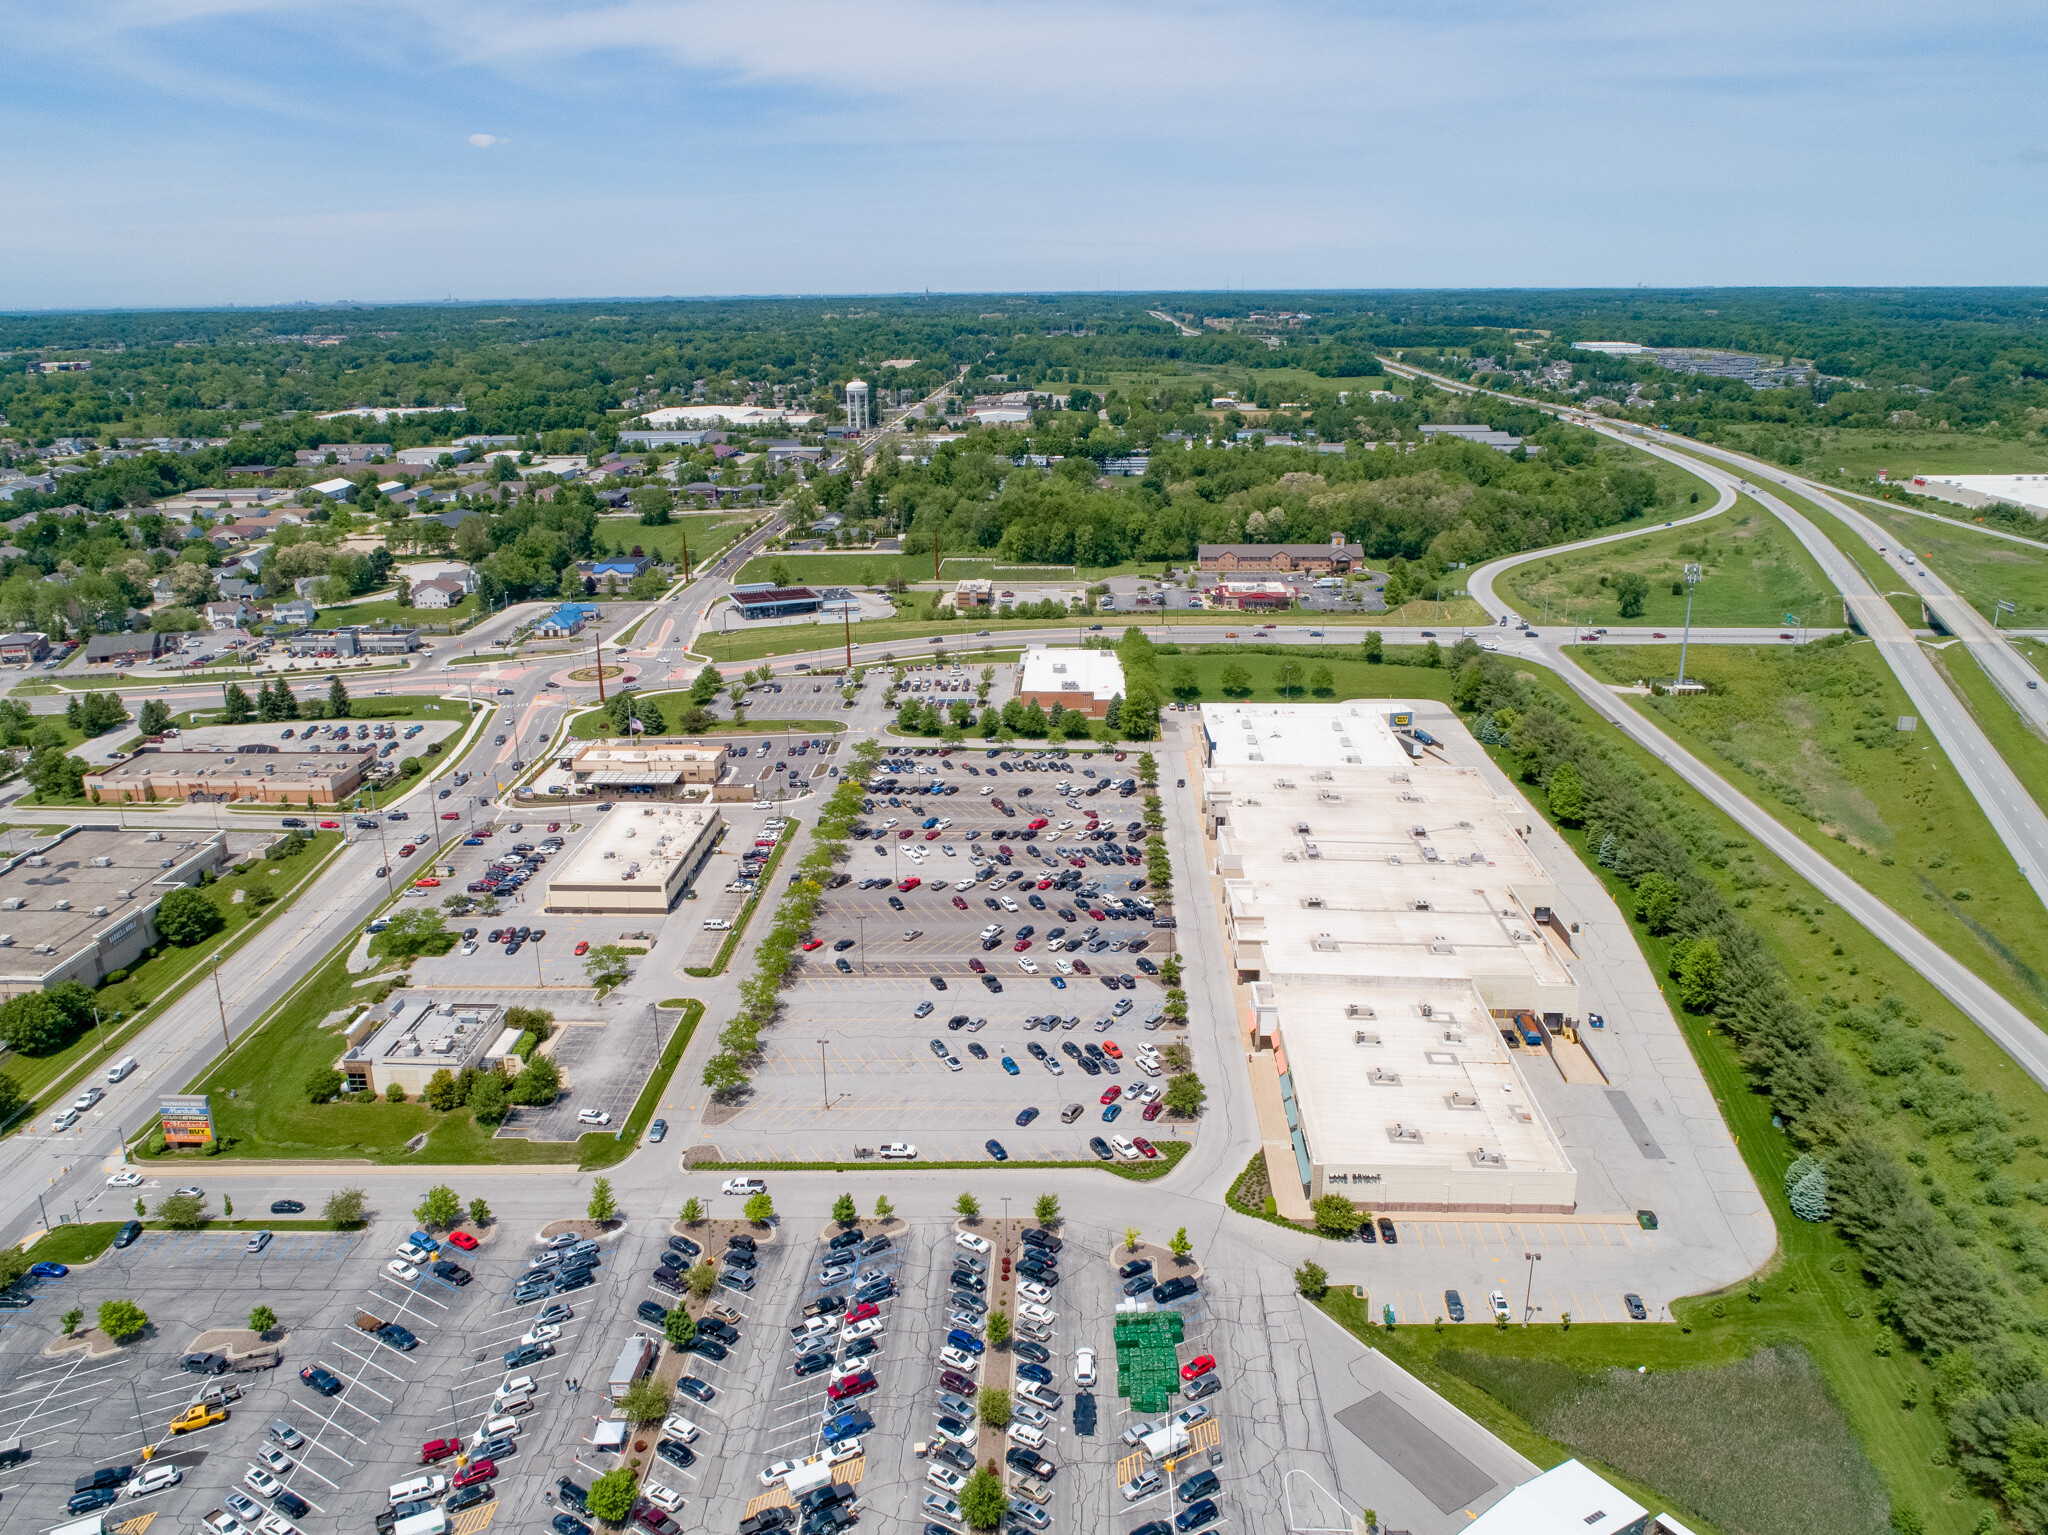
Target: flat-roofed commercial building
[
  {"x": 416, "y": 1036},
  {"x": 637, "y": 861},
  {"x": 659, "y": 769},
  {"x": 258, "y": 774},
  {"x": 1397, "y": 943},
  {"x": 1083, "y": 680},
  {"x": 84, "y": 905}
]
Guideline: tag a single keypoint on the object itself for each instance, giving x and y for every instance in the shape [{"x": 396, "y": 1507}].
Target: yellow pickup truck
[{"x": 199, "y": 1415}]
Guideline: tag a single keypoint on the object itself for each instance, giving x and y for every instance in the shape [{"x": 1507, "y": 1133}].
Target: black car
[
  {"x": 1135, "y": 1267},
  {"x": 845, "y": 1239},
  {"x": 684, "y": 1246},
  {"x": 695, "y": 1389},
  {"x": 724, "y": 1332},
  {"x": 572, "y": 1495},
  {"x": 106, "y": 1476},
  {"x": 811, "y": 1364},
  {"x": 565, "y": 1525},
  {"x": 1201, "y": 1485},
  {"x": 1387, "y": 1233},
  {"x": 1044, "y": 1240},
  {"x": 92, "y": 1500},
  {"x": 1174, "y": 1289},
  {"x": 1031, "y": 1464},
  {"x": 995, "y": 1149},
  {"x": 324, "y": 1381},
  {"x": 286, "y": 1207},
  {"x": 1196, "y": 1515},
  {"x": 831, "y": 1518},
  {"x": 1100, "y": 1147},
  {"x": 825, "y": 1497},
  {"x": 129, "y": 1231},
  {"x": 740, "y": 1258},
  {"x": 400, "y": 1338},
  {"x": 204, "y": 1364},
  {"x": 1454, "y": 1305},
  {"x": 676, "y": 1453},
  {"x": 467, "y": 1497},
  {"x": 1024, "y": 1348},
  {"x": 708, "y": 1346},
  {"x": 741, "y": 1241},
  {"x": 291, "y": 1504},
  {"x": 653, "y": 1313},
  {"x": 1636, "y": 1309},
  {"x": 1034, "y": 1372},
  {"x": 771, "y": 1519},
  {"x": 875, "y": 1245},
  {"x": 1025, "y": 1116},
  {"x": 1154, "y": 1527},
  {"x": 580, "y": 1280},
  {"x": 453, "y": 1272}
]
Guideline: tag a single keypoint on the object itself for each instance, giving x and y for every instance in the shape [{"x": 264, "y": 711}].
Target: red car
[
  {"x": 862, "y": 1312},
  {"x": 451, "y": 815},
  {"x": 1020, "y": 945},
  {"x": 1152, "y": 1110},
  {"x": 960, "y": 901},
  {"x": 438, "y": 1449},
  {"x": 1589, "y": 638},
  {"x": 1099, "y": 916},
  {"x": 1081, "y": 967},
  {"x": 1784, "y": 636},
  {"x": 1198, "y": 1366},
  {"x": 910, "y": 884},
  {"x": 330, "y": 826},
  {"x": 1079, "y": 863},
  {"x": 476, "y": 1471},
  {"x": 1045, "y": 884},
  {"x": 977, "y": 967},
  {"x": 407, "y": 851},
  {"x": 1145, "y": 1147},
  {"x": 582, "y": 948},
  {"x": 813, "y": 943},
  {"x": 1656, "y": 635},
  {"x": 1109, "y": 1048},
  {"x": 851, "y": 1386},
  {"x": 554, "y": 826},
  {"x": 425, "y": 884},
  {"x": 931, "y": 836},
  {"x": 1111, "y": 1093},
  {"x": 905, "y": 836},
  {"x": 463, "y": 1240},
  {"x": 1037, "y": 824}
]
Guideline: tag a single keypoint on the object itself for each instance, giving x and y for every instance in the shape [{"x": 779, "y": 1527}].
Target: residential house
[
  {"x": 344, "y": 453},
  {"x": 234, "y": 589},
  {"x": 234, "y": 614},
  {"x": 306, "y": 586},
  {"x": 441, "y": 592},
  {"x": 294, "y": 610}
]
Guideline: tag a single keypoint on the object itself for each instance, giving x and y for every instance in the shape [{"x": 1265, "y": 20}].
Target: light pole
[
  {"x": 1692, "y": 579},
  {"x": 1529, "y": 1294},
  {"x": 824, "y": 1081},
  {"x": 221, "y": 1002}
]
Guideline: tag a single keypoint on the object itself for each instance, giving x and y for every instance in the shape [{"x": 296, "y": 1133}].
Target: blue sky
[{"x": 183, "y": 152}]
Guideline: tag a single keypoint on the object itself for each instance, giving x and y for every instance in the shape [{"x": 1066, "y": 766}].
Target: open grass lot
[
  {"x": 1753, "y": 572},
  {"x": 2023, "y": 750},
  {"x": 82, "y": 1242},
  {"x": 127, "y": 1005},
  {"x": 1809, "y": 732},
  {"x": 1196, "y": 675},
  {"x": 596, "y": 724},
  {"x": 391, "y": 612},
  {"x": 706, "y": 532},
  {"x": 1982, "y": 569},
  {"x": 1906, "y": 453}
]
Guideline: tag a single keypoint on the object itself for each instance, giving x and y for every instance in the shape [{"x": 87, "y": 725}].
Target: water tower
[{"x": 857, "y": 405}]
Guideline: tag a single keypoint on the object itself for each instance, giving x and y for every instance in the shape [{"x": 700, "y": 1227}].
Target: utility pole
[
  {"x": 598, "y": 640},
  {"x": 846, "y": 617},
  {"x": 1529, "y": 1294},
  {"x": 221, "y": 1002},
  {"x": 824, "y": 1081},
  {"x": 1692, "y": 579}
]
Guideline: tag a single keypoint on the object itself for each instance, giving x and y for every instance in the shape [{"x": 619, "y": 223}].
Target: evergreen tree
[
  {"x": 1567, "y": 794},
  {"x": 338, "y": 705},
  {"x": 238, "y": 708}
]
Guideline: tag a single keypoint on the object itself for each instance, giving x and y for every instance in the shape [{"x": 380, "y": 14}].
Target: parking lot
[
  {"x": 77, "y": 1413},
  {"x": 942, "y": 1007},
  {"x": 920, "y": 1283}
]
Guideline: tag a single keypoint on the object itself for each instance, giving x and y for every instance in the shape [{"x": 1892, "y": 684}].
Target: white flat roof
[
  {"x": 1352, "y": 734},
  {"x": 654, "y": 836},
  {"x": 1569, "y": 1499},
  {"x": 1086, "y": 673},
  {"x": 2029, "y": 490}
]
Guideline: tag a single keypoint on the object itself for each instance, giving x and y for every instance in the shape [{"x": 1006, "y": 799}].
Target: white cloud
[{"x": 487, "y": 140}]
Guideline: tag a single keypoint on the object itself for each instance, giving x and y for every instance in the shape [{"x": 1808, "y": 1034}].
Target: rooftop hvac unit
[
  {"x": 1463, "y": 1100},
  {"x": 36, "y": 860},
  {"x": 63, "y": 906},
  {"x": 1381, "y": 1077},
  {"x": 99, "y": 911},
  {"x": 155, "y": 836},
  {"x": 1301, "y": 827},
  {"x": 1484, "y": 1158},
  {"x": 1418, "y": 831},
  {"x": 1408, "y": 1133},
  {"x": 1420, "y": 905},
  {"x": 1326, "y": 943},
  {"x": 12, "y": 903},
  {"x": 102, "y": 863},
  {"x": 1359, "y": 1010},
  {"x": 1365, "y": 1037},
  {"x": 1441, "y": 945},
  {"x": 167, "y": 863},
  {"x": 1454, "y": 1036},
  {"x": 1313, "y": 902},
  {"x": 6, "y": 940}
]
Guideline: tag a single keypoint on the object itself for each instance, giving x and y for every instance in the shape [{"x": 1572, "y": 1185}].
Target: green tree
[
  {"x": 760, "y": 1209},
  {"x": 122, "y": 1319},
  {"x": 603, "y": 1206},
  {"x": 1180, "y": 1246},
  {"x": 186, "y": 916},
  {"x": 35, "y": 1023},
  {"x": 346, "y": 1207},
  {"x": 324, "y": 1084},
  {"x": 71, "y": 1320},
  {"x": 1658, "y": 897},
  {"x": 611, "y": 1495},
  {"x": 884, "y": 1209},
  {"x": 413, "y": 933},
  {"x": 1632, "y": 592},
  {"x": 647, "y": 1399},
  {"x": 539, "y": 1082},
  {"x": 1334, "y": 1215},
  {"x": 237, "y": 707},
  {"x": 479, "y": 1213},
  {"x": 442, "y": 1094},
  {"x": 1373, "y": 647},
  {"x": 845, "y": 1211},
  {"x": 338, "y": 704},
  {"x": 983, "y": 1501},
  {"x": 679, "y": 1328},
  {"x": 489, "y": 1098},
  {"x": 994, "y": 1406},
  {"x": 968, "y": 1208},
  {"x": 1131, "y": 1236},
  {"x": 693, "y": 1211},
  {"x": 1311, "y": 1280},
  {"x": 1237, "y": 682},
  {"x": 606, "y": 966},
  {"x": 440, "y": 1208},
  {"x": 1047, "y": 1210},
  {"x": 156, "y": 717},
  {"x": 1567, "y": 794},
  {"x": 998, "y": 1328},
  {"x": 180, "y": 1212},
  {"x": 1322, "y": 681},
  {"x": 1289, "y": 678},
  {"x": 1699, "y": 974},
  {"x": 55, "y": 775},
  {"x": 1184, "y": 1095},
  {"x": 707, "y": 685},
  {"x": 702, "y": 1277},
  {"x": 262, "y": 1319},
  {"x": 724, "y": 1074}
]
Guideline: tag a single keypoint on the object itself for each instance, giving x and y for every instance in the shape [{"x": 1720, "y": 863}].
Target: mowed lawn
[
  {"x": 1753, "y": 572},
  {"x": 1810, "y": 734}
]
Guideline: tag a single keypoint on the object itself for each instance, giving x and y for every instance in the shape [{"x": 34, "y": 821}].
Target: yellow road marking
[
  {"x": 135, "y": 1526},
  {"x": 471, "y": 1520}
]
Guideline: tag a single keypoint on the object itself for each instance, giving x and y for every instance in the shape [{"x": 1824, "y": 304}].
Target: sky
[{"x": 204, "y": 152}]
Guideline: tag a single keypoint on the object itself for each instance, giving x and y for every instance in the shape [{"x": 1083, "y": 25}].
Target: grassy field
[
  {"x": 707, "y": 533},
  {"x": 1350, "y": 675},
  {"x": 126, "y": 1006},
  {"x": 1905, "y": 453},
  {"x": 1982, "y": 569},
  {"x": 964, "y": 634},
  {"x": 596, "y": 724},
  {"x": 1808, "y": 732},
  {"x": 1753, "y": 572},
  {"x": 394, "y": 613}
]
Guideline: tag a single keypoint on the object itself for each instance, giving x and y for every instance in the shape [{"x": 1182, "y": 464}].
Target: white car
[
  {"x": 1034, "y": 1311},
  {"x": 1064, "y": 966},
  {"x": 775, "y": 1473},
  {"x": 593, "y": 1117},
  {"x": 261, "y": 1482},
  {"x": 400, "y": 1269},
  {"x": 716, "y": 925},
  {"x": 938, "y": 1503},
  {"x": 276, "y": 1524},
  {"x": 1144, "y": 1484},
  {"x": 663, "y": 1497},
  {"x": 988, "y": 788},
  {"x": 970, "y": 1241},
  {"x": 872, "y": 1327},
  {"x": 845, "y": 1450},
  {"x": 275, "y": 1459},
  {"x": 1123, "y": 1148},
  {"x": 1008, "y": 904},
  {"x": 1026, "y": 1412},
  {"x": 1031, "y": 1290},
  {"x": 513, "y": 1385},
  {"x": 897, "y": 1151},
  {"x": 676, "y": 1426},
  {"x": 125, "y": 1180},
  {"x": 945, "y": 1477},
  {"x": 959, "y": 1359},
  {"x": 412, "y": 1252},
  {"x": 744, "y": 1186},
  {"x": 87, "y": 1099},
  {"x": 1084, "y": 1366},
  {"x": 469, "y": 948},
  {"x": 1028, "y": 966},
  {"x": 542, "y": 1332},
  {"x": 152, "y": 1479},
  {"x": 1043, "y": 1396},
  {"x": 1499, "y": 1303},
  {"x": 963, "y": 884}
]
